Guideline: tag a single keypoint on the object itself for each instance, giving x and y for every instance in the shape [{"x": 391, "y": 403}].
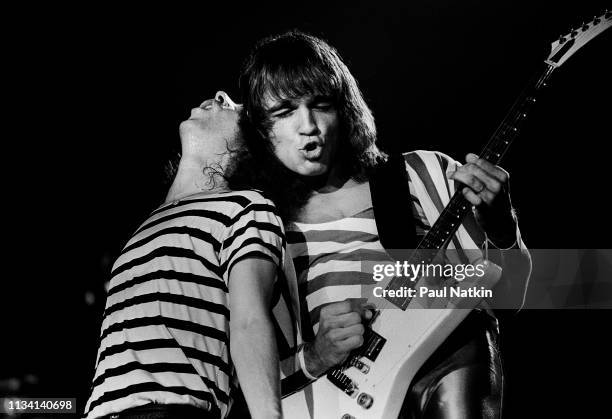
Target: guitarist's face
[{"x": 304, "y": 133}]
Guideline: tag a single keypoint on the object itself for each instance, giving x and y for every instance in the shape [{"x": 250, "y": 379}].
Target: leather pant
[{"x": 463, "y": 378}]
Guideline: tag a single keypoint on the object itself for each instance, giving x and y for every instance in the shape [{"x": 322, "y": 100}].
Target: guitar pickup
[{"x": 373, "y": 346}]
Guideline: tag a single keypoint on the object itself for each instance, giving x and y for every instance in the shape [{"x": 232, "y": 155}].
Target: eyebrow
[
  {"x": 281, "y": 104},
  {"x": 287, "y": 103}
]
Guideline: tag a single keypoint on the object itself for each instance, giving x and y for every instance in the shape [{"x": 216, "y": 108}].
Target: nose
[
  {"x": 206, "y": 105},
  {"x": 225, "y": 101},
  {"x": 307, "y": 121}
]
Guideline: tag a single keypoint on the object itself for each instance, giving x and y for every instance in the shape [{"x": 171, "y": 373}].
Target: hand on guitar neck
[
  {"x": 340, "y": 331},
  {"x": 487, "y": 188}
]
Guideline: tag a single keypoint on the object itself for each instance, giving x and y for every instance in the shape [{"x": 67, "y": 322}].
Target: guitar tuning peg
[
  {"x": 596, "y": 20},
  {"x": 562, "y": 39},
  {"x": 607, "y": 14},
  {"x": 574, "y": 33},
  {"x": 585, "y": 26}
]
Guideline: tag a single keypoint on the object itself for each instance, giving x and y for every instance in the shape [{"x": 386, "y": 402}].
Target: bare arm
[{"x": 252, "y": 340}]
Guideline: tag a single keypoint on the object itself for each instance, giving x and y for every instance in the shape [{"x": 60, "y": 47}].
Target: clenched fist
[{"x": 340, "y": 331}]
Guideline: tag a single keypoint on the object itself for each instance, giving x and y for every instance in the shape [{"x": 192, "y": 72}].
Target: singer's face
[
  {"x": 214, "y": 121},
  {"x": 304, "y": 133}
]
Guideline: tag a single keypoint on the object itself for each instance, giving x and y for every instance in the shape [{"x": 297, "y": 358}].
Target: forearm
[
  {"x": 516, "y": 265},
  {"x": 252, "y": 339},
  {"x": 255, "y": 356},
  {"x": 515, "y": 260}
]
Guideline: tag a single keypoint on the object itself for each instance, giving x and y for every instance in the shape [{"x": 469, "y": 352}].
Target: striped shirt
[
  {"x": 165, "y": 332},
  {"x": 328, "y": 255}
]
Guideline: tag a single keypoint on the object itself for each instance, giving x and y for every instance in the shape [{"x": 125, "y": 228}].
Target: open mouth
[{"x": 312, "y": 150}]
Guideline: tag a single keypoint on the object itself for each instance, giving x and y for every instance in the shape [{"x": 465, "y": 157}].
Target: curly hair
[{"x": 293, "y": 65}]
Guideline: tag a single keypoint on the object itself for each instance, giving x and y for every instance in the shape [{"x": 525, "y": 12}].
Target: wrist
[{"x": 310, "y": 361}]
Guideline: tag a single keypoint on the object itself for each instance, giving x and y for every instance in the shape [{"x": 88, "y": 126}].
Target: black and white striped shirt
[{"x": 165, "y": 332}]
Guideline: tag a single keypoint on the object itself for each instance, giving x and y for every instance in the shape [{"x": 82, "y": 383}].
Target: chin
[
  {"x": 192, "y": 128},
  {"x": 186, "y": 126},
  {"x": 314, "y": 171}
]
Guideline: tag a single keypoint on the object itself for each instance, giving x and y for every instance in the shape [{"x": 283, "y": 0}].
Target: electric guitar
[{"x": 373, "y": 381}]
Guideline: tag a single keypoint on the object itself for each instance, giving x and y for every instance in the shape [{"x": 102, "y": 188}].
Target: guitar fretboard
[{"x": 453, "y": 214}]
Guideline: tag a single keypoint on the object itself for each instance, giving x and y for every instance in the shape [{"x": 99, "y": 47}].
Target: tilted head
[
  {"x": 211, "y": 131},
  {"x": 304, "y": 105}
]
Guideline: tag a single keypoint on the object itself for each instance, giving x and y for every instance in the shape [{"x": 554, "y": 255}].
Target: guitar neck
[
  {"x": 453, "y": 214},
  {"x": 508, "y": 130},
  {"x": 498, "y": 144}
]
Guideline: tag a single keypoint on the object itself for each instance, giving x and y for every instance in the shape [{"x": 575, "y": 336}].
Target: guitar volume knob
[{"x": 365, "y": 400}]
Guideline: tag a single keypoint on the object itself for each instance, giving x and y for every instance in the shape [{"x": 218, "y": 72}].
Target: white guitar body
[{"x": 412, "y": 336}]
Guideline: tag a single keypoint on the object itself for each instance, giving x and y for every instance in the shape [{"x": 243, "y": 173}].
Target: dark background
[{"x": 96, "y": 95}]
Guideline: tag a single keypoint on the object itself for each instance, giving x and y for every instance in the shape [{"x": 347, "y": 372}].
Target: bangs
[
  {"x": 294, "y": 69},
  {"x": 295, "y": 82},
  {"x": 291, "y": 66}
]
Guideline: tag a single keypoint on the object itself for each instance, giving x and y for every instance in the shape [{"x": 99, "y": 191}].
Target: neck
[
  {"x": 332, "y": 181},
  {"x": 192, "y": 178}
]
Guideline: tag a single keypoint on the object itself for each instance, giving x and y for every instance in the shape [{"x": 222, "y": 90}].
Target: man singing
[{"x": 311, "y": 147}]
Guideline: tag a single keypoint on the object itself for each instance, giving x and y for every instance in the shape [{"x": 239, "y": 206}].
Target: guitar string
[{"x": 497, "y": 145}]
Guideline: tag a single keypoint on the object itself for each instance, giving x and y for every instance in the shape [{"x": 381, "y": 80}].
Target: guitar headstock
[{"x": 568, "y": 44}]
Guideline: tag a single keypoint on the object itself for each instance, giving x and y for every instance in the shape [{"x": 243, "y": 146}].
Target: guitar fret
[
  {"x": 450, "y": 218},
  {"x": 510, "y": 126}
]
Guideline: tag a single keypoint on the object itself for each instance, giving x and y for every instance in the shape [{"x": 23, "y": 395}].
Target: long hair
[{"x": 293, "y": 65}]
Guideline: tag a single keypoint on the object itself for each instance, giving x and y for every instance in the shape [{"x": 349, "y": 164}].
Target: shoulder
[
  {"x": 256, "y": 208},
  {"x": 250, "y": 194},
  {"x": 417, "y": 158},
  {"x": 425, "y": 163},
  {"x": 255, "y": 200},
  {"x": 226, "y": 207},
  {"x": 233, "y": 202},
  {"x": 430, "y": 170}
]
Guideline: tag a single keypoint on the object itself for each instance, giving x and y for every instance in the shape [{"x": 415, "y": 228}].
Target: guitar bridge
[
  {"x": 370, "y": 350},
  {"x": 343, "y": 382}
]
